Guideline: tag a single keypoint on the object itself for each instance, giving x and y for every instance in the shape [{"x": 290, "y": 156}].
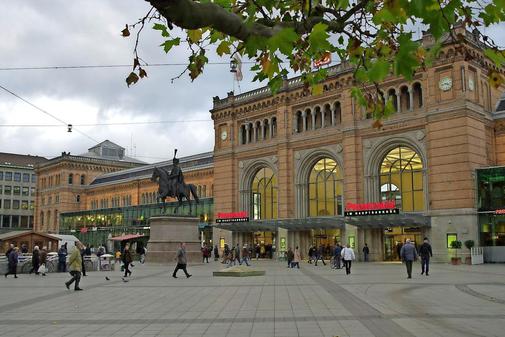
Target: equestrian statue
[{"x": 172, "y": 185}]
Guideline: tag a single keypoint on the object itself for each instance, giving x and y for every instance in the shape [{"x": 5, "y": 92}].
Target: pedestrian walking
[
  {"x": 296, "y": 258},
  {"x": 337, "y": 256},
  {"x": 348, "y": 256},
  {"x": 257, "y": 250},
  {"x": 62, "y": 259},
  {"x": 43, "y": 261},
  {"x": 11, "y": 248},
  {"x": 425, "y": 252},
  {"x": 13, "y": 262},
  {"x": 236, "y": 256},
  {"x": 35, "y": 260},
  {"x": 366, "y": 251},
  {"x": 289, "y": 256},
  {"x": 181, "y": 261},
  {"x": 127, "y": 260},
  {"x": 408, "y": 254},
  {"x": 205, "y": 253},
  {"x": 118, "y": 256},
  {"x": 216, "y": 253},
  {"x": 75, "y": 266},
  {"x": 245, "y": 256},
  {"x": 320, "y": 255}
]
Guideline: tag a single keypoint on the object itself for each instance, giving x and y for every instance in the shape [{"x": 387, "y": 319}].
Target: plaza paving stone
[{"x": 375, "y": 300}]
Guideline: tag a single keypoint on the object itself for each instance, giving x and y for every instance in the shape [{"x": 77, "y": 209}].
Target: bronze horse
[{"x": 182, "y": 190}]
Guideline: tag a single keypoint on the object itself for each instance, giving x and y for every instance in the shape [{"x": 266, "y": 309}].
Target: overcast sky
[{"x": 63, "y": 33}]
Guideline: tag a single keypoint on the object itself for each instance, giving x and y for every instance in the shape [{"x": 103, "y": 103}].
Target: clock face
[
  {"x": 471, "y": 85},
  {"x": 445, "y": 83},
  {"x": 224, "y": 135}
]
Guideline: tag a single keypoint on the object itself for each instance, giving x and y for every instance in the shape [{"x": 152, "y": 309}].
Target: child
[{"x": 118, "y": 256}]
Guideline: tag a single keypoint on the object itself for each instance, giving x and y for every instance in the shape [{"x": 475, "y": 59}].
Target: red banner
[
  {"x": 368, "y": 206},
  {"x": 232, "y": 215},
  {"x": 84, "y": 229}
]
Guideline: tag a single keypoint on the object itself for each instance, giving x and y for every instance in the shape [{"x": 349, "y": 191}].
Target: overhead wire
[{"x": 45, "y": 112}]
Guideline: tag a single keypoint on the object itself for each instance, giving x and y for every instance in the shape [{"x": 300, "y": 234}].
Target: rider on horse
[{"x": 176, "y": 178}]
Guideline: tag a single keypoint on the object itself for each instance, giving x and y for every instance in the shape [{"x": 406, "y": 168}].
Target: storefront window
[
  {"x": 325, "y": 189},
  {"x": 491, "y": 189},
  {"x": 450, "y": 238},
  {"x": 401, "y": 179},
  {"x": 264, "y": 194}
]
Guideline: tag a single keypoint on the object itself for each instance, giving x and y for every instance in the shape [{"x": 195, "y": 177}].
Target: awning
[
  {"x": 289, "y": 224},
  {"x": 127, "y": 237},
  {"x": 390, "y": 220},
  {"x": 371, "y": 221}
]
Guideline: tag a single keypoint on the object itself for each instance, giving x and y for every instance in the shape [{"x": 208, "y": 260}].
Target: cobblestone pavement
[{"x": 375, "y": 300}]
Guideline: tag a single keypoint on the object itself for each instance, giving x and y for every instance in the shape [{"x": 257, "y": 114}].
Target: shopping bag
[{"x": 42, "y": 269}]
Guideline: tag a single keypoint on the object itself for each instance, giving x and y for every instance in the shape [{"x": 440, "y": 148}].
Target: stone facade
[{"x": 453, "y": 130}]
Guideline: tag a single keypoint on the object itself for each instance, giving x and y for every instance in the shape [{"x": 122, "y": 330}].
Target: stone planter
[{"x": 455, "y": 260}]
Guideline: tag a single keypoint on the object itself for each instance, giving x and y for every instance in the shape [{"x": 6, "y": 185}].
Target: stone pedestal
[{"x": 166, "y": 234}]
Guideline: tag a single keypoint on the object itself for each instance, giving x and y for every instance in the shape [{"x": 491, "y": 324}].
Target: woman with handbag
[
  {"x": 43, "y": 261},
  {"x": 35, "y": 260}
]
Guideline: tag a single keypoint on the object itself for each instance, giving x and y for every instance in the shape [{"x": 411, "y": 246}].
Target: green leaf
[
  {"x": 498, "y": 57},
  {"x": 275, "y": 84},
  {"x": 253, "y": 44},
  {"x": 378, "y": 71},
  {"x": 318, "y": 39},
  {"x": 317, "y": 89},
  {"x": 162, "y": 29},
  {"x": 223, "y": 48},
  {"x": 357, "y": 94},
  {"x": 405, "y": 61},
  {"x": 284, "y": 41},
  {"x": 168, "y": 44}
]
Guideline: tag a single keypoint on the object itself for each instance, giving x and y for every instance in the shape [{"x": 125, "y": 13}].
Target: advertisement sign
[
  {"x": 242, "y": 216},
  {"x": 371, "y": 208}
]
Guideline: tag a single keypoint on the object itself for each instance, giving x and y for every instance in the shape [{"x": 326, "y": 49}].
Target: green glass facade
[
  {"x": 491, "y": 206},
  {"x": 99, "y": 223}
]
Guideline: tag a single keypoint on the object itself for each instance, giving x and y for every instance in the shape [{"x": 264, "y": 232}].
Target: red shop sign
[{"x": 368, "y": 206}]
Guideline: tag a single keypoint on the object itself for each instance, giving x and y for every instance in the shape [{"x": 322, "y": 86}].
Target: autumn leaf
[
  {"x": 223, "y": 48},
  {"x": 495, "y": 79},
  {"x": 195, "y": 35},
  {"x": 265, "y": 63},
  {"x": 142, "y": 73},
  {"x": 317, "y": 89},
  {"x": 377, "y": 124},
  {"x": 131, "y": 79},
  {"x": 125, "y": 32}
]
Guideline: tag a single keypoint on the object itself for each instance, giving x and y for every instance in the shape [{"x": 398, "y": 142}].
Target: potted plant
[
  {"x": 469, "y": 244},
  {"x": 456, "y": 245}
]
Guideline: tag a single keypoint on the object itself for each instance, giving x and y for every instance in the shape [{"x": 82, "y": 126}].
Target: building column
[
  {"x": 295, "y": 123},
  {"x": 240, "y": 135},
  {"x": 313, "y": 113},
  {"x": 262, "y": 125},
  {"x": 270, "y": 128},
  {"x": 247, "y": 134},
  {"x": 332, "y": 111},
  {"x": 323, "y": 116},
  {"x": 398, "y": 102},
  {"x": 411, "y": 99},
  {"x": 304, "y": 117},
  {"x": 255, "y": 138}
]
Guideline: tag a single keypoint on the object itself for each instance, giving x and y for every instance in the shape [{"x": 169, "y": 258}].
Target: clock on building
[
  {"x": 445, "y": 83},
  {"x": 224, "y": 135}
]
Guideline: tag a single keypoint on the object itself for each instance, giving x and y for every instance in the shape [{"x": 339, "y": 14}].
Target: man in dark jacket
[
  {"x": 127, "y": 260},
  {"x": 366, "y": 251},
  {"x": 11, "y": 248},
  {"x": 337, "y": 257},
  {"x": 62, "y": 259},
  {"x": 13, "y": 262},
  {"x": 425, "y": 252},
  {"x": 319, "y": 254},
  {"x": 408, "y": 254}
]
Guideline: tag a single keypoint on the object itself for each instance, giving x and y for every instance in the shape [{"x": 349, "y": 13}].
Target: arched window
[
  {"x": 299, "y": 122},
  {"x": 274, "y": 127},
  {"x": 401, "y": 179},
  {"x": 393, "y": 98},
  {"x": 404, "y": 99},
  {"x": 318, "y": 120},
  {"x": 83, "y": 179},
  {"x": 327, "y": 116},
  {"x": 325, "y": 189},
  {"x": 42, "y": 218},
  {"x": 204, "y": 191},
  {"x": 70, "y": 179},
  {"x": 77, "y": 198},
  {"x": 418, "y": 95},
  {"x": 264, "y": 194},
  {"x": 338, "y": 113},
  {"x": 243, "y": 134},
  {"x": 266, "y": 129}
]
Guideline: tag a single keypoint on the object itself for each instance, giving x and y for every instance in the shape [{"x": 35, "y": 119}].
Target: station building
[{"x": 296, "y": 162}]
